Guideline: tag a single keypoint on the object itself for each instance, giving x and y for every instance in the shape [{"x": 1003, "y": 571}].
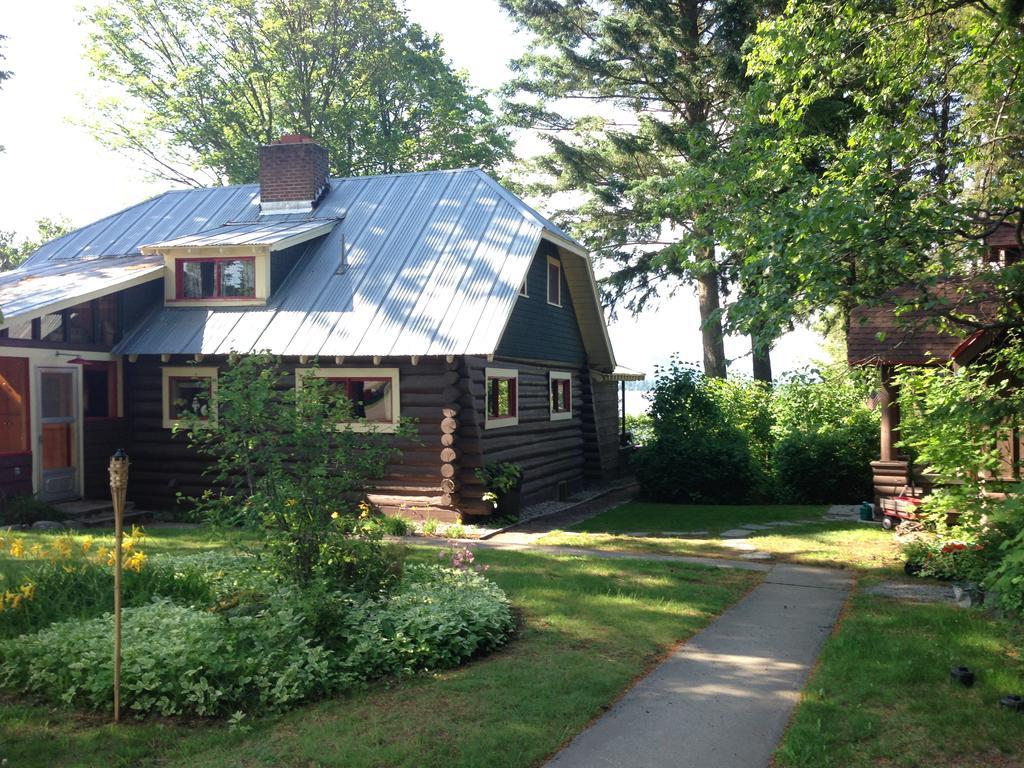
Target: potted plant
[{"x": 504, "y": 483}]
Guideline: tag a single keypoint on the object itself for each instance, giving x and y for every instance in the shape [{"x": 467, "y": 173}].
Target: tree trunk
[
  {"x": 711, "y": 324},
  {"x": 762, "y": 360}
]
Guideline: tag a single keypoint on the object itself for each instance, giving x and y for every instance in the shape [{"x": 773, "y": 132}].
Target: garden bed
[{"x": 213, "y": 634}]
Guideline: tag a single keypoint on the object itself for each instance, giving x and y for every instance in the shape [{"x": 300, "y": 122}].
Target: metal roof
[
  {"x": 275, "y": 235},
  {"x": 34, "y": 290},
  {"x": 434, "y": 264}
]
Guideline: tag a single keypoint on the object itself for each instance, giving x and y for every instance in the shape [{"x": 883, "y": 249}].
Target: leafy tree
[
  {"x": 878, "y": 143},
  {"x": 285, "y": 465},
  {"x": 663, "y": 78},
  {"x": 215, "y": 79},
  {"x": 14, "y": 251},
  {"x": 4, "y": 73}
]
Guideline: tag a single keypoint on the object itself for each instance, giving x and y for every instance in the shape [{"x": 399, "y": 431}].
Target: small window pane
[
  {"x": 106, "y": 309},
  {"x": 237, "y": 278},
  {"x": 501, "y": 397},
  {"x": 188, "y": 395},
  {"x": 14, "y": 417},
  {"x": 554, "y": 284},
  {"x": 97, "y": 381},
  {"x": 371, "y": 398},
  {"x": 197, "y": 279},
  {"x": 80, "y": 327},
  {"x": 21, "y": 330},
  {"x": 57, "y": 396},
  {"x": 52, "y": 327}
]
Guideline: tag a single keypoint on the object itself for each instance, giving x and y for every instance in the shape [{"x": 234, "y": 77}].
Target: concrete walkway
[{"x": 724, "y": 698}]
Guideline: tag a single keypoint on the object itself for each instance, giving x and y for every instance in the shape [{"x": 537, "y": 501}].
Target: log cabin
[
  {"x": 904, "y": 329},
  {"x": 438, "y": 296}
]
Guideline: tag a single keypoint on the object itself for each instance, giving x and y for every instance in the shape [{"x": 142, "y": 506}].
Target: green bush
[
  {"x": 696, "y": 455},
  {"x": 287, "y": 461},
  {"x": 825, "y": 436},
  {"x": 25, "y": 510},
  {"x": 261, "y": 648},
  {"x": 828, "y": 466},
  {"x": 808, "y": 439}
]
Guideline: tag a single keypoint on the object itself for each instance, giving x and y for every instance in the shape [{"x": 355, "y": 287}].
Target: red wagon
[{"x": 898, "y": 508}]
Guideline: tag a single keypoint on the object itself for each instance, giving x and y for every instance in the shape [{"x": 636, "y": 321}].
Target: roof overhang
[
  {"x": 246, "y": 237},
  {"x": 31, "y": 292},
  {"x": 621, "y": 373}
]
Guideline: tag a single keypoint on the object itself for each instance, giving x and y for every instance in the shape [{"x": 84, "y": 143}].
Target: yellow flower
[
  {"x": 28, "y": 590},
  {"x": 291, "y": 502},
  {"x": 334, "y": 515},
  {"x": 35, "y": 551},
  {"x": 17, "y": 548},
  {"x": 134, "y": 561},
  {"x": 87, "y": 543}
]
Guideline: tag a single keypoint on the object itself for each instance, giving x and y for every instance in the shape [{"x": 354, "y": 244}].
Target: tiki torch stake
[{"x": 118, "y": 491}]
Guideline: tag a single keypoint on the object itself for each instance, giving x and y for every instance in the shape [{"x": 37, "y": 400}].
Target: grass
[
  {"x": 842, "y": 544},
  {"x": 880, "y": 696},
  {"x": 650, "y": 517},
  {"x": 589, "y": 627}
]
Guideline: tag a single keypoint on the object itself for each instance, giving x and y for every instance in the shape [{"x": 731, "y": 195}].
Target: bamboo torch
[{"x": 118, "y": 491}]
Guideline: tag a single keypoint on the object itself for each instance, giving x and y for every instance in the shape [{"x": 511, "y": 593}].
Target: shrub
[
  {"x": 25, "y": 510},
  {"x": 288, "y": 462},
  {"x": 696, "y": 455},
  {"x": 827, "y": 466},
  {"x": 176, "y": 660},
  {"x": 261, "y": 651},
  {"x": 826, "y": 436}
]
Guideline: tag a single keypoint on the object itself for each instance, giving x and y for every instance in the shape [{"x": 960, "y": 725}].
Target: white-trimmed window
[
  {"x": 524, "y": 289},
  {"x": 554, "y": 282},
  {"x": 502, "y": 394},
  {"x": 373, "y": 392},
  {"x": 188, "y": 389},
  {"x": 560, "y": 395}
]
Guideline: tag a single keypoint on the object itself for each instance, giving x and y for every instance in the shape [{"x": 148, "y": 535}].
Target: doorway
[{"x": 58, "y": 440}]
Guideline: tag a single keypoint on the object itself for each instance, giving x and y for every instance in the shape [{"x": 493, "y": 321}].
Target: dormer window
[{"x": 229, "y": 278}]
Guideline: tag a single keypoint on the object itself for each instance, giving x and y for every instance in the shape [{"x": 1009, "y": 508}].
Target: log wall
[
  {"x": 551, "y": 453},
  {"x": 100, "y": 438},
  {"x": 163, "y": 464}
]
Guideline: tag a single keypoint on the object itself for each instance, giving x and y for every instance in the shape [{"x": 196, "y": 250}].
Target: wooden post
[
  {"x": 890, "y": 415},
  {"x": 622, "y": 436},
  {"x": 118, "y": 491}
]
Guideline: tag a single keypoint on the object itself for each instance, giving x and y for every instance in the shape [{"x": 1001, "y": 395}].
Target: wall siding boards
[{"x": 538, "y": 330}]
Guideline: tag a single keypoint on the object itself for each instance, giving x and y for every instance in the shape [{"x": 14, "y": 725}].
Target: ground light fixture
[
  {"x": 1012, "y": 701},
  {"x": 961, "y": 675}
]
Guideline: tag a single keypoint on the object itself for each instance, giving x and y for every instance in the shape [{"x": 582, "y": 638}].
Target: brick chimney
[{"x": 293, "y": 175}]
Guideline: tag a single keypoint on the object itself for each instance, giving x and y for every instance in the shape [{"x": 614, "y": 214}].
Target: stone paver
[
  {"x": 736, "y": 533},
  {"x": 724, "y": 698}
]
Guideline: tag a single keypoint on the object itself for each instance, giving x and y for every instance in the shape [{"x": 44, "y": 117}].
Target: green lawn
[
  {"x": 589, "y": 627},
  {"x": 844, "y": 544},
  {"x": 880, "y": 696},
  {"x": 648, "y": 517}
]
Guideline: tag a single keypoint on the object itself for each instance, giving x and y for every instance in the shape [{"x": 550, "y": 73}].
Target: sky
[{"x": 53, "y": 167}]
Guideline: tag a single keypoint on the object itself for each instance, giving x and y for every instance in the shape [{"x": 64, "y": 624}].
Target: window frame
[
  {"x": 171, "y": 373},
  {"x": 361, "y": 374},
  {"x": 179, "y": 278},
  {"x": 564, "y": 381},
  {"x": 553, "y": 262},
  {"x": 502, "y": 374}
]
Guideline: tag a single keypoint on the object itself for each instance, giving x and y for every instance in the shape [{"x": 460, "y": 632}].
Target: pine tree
[{"x": 659, "y": 81}]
